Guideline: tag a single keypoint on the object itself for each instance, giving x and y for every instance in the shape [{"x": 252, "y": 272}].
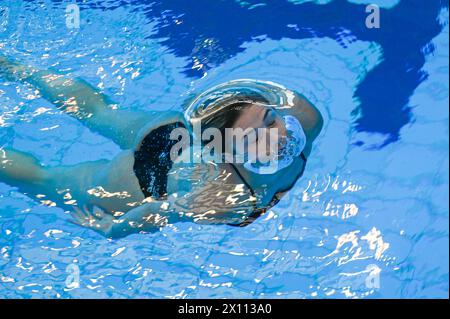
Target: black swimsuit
[
  {"x": 152, "y": 161},
  {"x": 152, "y": 164}
]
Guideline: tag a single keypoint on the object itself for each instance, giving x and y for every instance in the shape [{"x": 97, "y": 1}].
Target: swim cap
[
  {"x": 271, "y": 94},
  {"x": 295, "y": 143}
]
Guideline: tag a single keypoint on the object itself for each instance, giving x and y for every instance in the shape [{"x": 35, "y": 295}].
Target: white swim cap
[
  {"x": 253, "y": 91},
  {"x": 295, "y": 143}
]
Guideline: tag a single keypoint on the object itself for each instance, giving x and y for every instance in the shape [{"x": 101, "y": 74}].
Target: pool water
[{"x": 369, "y": 217}]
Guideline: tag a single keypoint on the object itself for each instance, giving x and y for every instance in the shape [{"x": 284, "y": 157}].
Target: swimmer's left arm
[{"x": 148, "y": 217}]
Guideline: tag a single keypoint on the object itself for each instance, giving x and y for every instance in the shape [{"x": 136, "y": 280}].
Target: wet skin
[{"x": 106, "y": 196}]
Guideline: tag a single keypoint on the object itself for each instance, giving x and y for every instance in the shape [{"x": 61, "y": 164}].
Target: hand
[
  {"x": 13, "y": 71},
  {"x": 7, "y": 68},
  {"x": 95, "y": 219}
]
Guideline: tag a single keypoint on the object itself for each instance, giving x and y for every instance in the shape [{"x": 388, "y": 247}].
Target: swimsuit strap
[{"x": 257, "y": 212}]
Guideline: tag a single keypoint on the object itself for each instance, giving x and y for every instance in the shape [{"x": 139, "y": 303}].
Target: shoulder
[
  {"x": 308, "y": 115},
  {"x": 159, "y": 120}
]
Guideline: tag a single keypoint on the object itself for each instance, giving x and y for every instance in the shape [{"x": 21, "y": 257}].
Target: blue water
[{"x": 372, "y": 203}]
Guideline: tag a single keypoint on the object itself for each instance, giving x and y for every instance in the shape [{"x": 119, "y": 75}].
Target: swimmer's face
[{"x": 258, "y": 116}]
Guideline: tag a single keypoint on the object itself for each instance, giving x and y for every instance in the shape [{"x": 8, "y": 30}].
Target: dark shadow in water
[{"x": 405, "y": 35}]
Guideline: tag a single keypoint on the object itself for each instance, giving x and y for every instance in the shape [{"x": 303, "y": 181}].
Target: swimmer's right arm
[
  {"x": 79, "y": 99},
  {"x": 71, "y": 95}
]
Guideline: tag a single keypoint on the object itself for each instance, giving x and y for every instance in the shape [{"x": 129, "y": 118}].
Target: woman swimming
[{"x": 144, "y": 187}]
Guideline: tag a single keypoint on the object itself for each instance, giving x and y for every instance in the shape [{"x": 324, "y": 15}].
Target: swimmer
[{"x": 143, "y": 188}]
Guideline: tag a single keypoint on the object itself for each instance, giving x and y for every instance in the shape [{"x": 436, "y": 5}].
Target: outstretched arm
[
  {"x": 148, "y": 217},
  {"x": 81, "y": 100},
  {"x": 73, "y": 96},
  {"x": 20, "y": 169}
]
